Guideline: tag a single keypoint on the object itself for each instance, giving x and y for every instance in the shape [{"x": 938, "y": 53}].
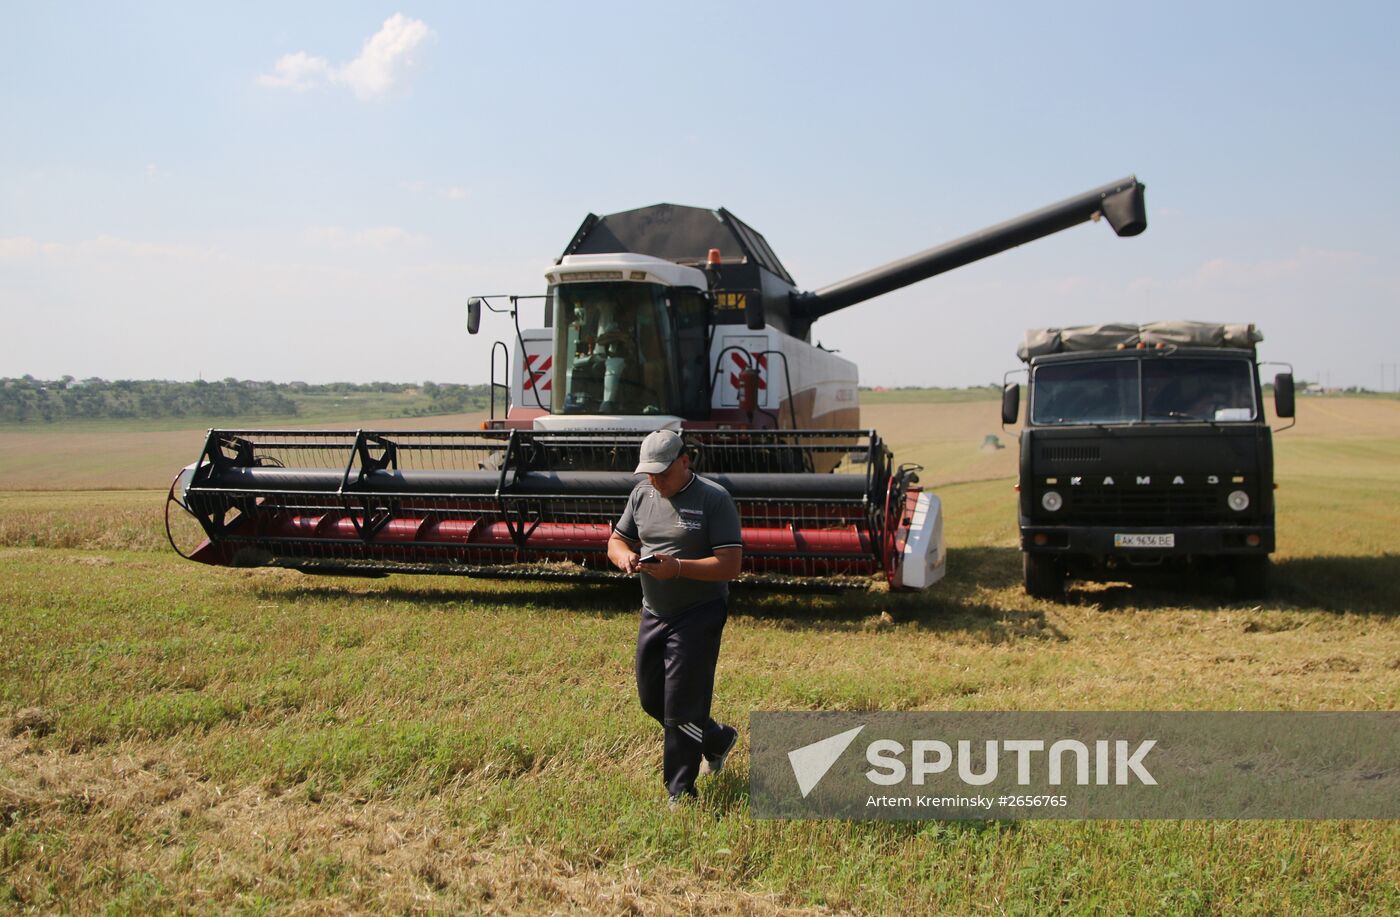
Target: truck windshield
[
  {"x": 1101, "y": 391},
  {"x": 1152, "y": 389},
  {"x": 1187, "y": 390},
  {"x": 613, "y": 349}
]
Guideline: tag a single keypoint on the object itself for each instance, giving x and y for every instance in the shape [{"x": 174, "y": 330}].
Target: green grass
[
  {"x": 251, "y": 740},
  {"x": 96, "y": 520},
  {"x": 502, "y": 719}
]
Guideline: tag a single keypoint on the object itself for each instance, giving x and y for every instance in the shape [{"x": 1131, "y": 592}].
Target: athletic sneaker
[{"x": 713, "y": 764}]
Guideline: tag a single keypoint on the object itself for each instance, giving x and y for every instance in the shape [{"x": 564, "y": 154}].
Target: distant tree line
[
  {"x": 28, "y": 399},
  {"x": 450, "y": 398}
]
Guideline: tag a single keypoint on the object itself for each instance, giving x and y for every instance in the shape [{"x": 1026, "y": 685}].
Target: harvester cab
[
  {"x": 627, "y": 348},
  {"x": 661, "y": 317},
  {"x": 672, "y": 316}
]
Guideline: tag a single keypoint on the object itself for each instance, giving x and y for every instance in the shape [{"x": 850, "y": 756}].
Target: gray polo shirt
[{"x": 691, "y": 525}]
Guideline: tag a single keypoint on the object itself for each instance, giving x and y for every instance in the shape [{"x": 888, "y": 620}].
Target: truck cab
[{"x": 1145, "y": 448}]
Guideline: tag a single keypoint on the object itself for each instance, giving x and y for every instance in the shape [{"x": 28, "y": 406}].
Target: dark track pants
[{"x": 675, "y": 680}]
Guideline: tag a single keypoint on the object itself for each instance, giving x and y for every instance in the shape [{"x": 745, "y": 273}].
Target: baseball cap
[{"x": 659, "y": 450}]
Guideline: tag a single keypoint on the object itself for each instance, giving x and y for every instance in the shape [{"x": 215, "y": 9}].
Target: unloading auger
[{"x": 649, "y": 324}]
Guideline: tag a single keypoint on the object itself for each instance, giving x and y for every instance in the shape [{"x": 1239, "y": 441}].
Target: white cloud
[
  {"x": 375, "y": 237},
  {"x": 24, "y": 248},
  {"x": 1307, "y": 262},
  {"x": 375, "y": 70},
  {"x": 383, "y": 56},
  {"x": 446, "y": 192},
  {"x": 299, "y": 72},
  {"x": 17, "y": 247}
]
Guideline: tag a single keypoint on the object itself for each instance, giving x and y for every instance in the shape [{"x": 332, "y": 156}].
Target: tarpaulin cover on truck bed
[{"x": 1118, "y": 335}]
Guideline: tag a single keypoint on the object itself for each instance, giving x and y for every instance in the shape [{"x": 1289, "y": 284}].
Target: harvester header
[{"x": 517, "y": 503}]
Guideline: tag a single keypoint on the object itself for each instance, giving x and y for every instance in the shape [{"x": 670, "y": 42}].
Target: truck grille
[
  {"x": 1148, "y": 506},
  {"x": 1070, "y": 453}
]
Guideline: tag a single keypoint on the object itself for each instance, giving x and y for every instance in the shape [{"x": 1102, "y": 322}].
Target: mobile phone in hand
[{"x": 648, "y": 559}]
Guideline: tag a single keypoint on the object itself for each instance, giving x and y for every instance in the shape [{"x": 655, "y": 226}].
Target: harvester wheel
[
  {"x": 1045, "y": 579},
  {"x": 1252, "y": 576}
]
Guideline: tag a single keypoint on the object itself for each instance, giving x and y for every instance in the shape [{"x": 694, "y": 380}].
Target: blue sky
[{"x": 312, "y": 192}]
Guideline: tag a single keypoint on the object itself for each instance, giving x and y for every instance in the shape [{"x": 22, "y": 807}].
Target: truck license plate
[{"x": 1167, "y": 540}]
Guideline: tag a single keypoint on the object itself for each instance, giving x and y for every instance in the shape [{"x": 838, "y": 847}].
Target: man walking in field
[{"x": 681, "y": 533}]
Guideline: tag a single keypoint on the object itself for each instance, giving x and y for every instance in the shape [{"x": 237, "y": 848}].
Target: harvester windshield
[
  {"x": 1151, "y": 389},
  {"x": 629, "y": 348}
]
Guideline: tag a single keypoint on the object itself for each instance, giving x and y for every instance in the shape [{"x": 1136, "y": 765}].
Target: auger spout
[{"x": 1121, "y": 203}]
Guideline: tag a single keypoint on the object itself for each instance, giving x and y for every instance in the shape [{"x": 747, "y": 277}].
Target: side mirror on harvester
[
  {"x": 753, "y": 312},
  {"x": 473, "y": 315},
  {"x": 1283, "y": 395},
  {"x": 1010, "y": 402}
]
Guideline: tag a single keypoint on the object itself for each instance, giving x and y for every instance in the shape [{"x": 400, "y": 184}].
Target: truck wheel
[
  {"x": 1252, "y": 576},
  {"x": 1044, "y": 578}
]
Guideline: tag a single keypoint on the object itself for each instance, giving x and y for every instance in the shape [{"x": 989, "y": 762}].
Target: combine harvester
[{"x": 665, "y": 316}]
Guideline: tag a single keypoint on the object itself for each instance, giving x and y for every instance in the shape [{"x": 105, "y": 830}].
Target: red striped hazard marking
[
  {"x": 741, "y": 363},
  {"x": 534, "y": 374}
]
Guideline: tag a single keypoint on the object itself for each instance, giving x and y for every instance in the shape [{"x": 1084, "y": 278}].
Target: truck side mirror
[
  {"x": 473, "y": 315},
  {"x": 1283, "y": 395},
  {"x": 753, "y": 312},
  {"x": 1010, "y": 402}
]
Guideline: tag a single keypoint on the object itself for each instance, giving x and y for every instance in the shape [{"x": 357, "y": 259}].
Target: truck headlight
[
  {"x": 1238, "y": 500},
  {"x": 1052, "y": 501}
]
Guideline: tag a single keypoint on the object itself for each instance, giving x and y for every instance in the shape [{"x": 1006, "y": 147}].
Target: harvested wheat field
[{"x": 178, "y": 737}]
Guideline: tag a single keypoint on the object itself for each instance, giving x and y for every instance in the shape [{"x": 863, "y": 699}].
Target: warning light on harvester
[{"x": 713, "y": 257}]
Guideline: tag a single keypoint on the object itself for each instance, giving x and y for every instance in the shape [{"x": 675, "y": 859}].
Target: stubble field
[{"x": 181, "y": 737}]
